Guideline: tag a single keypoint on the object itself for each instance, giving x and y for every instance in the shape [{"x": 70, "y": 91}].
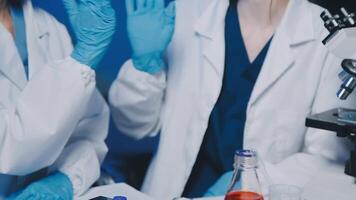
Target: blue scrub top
[
  {"x": 18, "y": 21},
  {"x": 227, "y": 120}
]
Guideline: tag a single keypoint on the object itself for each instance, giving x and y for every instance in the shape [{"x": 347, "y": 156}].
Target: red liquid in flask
[{"x": 240, "y": 195}]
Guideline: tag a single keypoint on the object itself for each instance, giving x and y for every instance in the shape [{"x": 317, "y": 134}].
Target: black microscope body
[{"x": 340, "y": 41}]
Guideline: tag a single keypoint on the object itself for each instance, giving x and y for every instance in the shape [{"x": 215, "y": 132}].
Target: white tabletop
[{"x": 329, "y": 184}]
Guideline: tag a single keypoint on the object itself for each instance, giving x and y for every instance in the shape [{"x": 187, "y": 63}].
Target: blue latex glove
[
  {"x": 220, "y": 187},
  {"x": 94, "y": 23},
  {"x": 150, "y": 28},
  {"x": 54, "y": 187}
]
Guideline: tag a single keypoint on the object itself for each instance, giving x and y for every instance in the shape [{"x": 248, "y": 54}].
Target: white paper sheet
[
  {"x": 110, "y": 191},
  {"x": 122, "y": 189}
]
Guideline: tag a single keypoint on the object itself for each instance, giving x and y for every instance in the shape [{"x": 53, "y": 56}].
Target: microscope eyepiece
[
  {"x": 348, "y": 17},
  {"x": 330, "y": 22}
]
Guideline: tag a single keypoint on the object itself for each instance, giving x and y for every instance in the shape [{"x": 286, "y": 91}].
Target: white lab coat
[
  {"x": 298, "y": 78},
  {"x": 57, "y": 119}
]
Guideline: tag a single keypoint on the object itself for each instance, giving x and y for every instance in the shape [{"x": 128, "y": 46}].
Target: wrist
[
  {"x": 151, "y": 63},
  {"x": 84, "y": 60},
  {"x": 87, "y": 55}
]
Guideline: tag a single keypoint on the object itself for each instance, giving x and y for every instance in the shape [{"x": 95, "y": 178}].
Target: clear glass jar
[{"x": 245, "y": 183}]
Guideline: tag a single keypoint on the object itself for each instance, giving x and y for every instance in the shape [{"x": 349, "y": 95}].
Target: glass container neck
[{"x": 245, "y": 159}]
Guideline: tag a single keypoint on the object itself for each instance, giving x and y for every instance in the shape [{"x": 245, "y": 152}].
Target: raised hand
[
  {"x": 93, "y": 22},
  {"x": 150, "y": 28}
]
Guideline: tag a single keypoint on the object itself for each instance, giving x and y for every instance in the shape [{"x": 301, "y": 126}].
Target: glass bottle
[{"x": 245, "y": 183}]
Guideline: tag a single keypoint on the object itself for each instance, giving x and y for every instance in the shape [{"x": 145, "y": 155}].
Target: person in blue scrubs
[
  {"x": 194, "y": 92},
  {"x": 226, "y": 125}
]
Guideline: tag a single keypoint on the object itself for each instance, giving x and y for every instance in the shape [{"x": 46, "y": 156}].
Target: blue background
[{"x": 127, "y": 159}]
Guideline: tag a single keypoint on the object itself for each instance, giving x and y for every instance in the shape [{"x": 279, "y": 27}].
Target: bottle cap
[{"x": 120, "y": 198}]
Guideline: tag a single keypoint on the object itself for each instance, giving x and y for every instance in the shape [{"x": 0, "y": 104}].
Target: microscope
[{"x": 342, "y": 43}]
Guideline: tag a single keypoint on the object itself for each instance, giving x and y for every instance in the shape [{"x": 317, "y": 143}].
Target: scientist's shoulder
[
  {"x": 46, "y": 21},
  {"x": 192, "y": 9}
]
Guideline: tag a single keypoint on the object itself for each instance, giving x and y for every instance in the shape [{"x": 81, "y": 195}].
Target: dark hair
[{"x": 15, "y": 2}]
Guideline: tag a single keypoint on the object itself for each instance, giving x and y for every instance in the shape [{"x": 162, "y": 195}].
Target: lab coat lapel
[
  {"x": 37, "y": 39},
  {"x": 10, "y": 62},
  {"x": 280, "y": 56},
  {"x": 275, "y": 65},
  {"x": 210, "y": 31}
]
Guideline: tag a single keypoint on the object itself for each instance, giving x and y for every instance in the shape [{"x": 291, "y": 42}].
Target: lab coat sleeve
[
  {"x": 35, "y": 130},
  {"x": 86, "y": 149},
  {"x": 136, "y": 100},
  {"x": 321, "y": 148}
]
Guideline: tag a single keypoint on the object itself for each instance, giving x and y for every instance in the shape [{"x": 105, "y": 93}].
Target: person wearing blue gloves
[
  {"x": 53, "y": 120},
  {"x": 220, "y": 75}
]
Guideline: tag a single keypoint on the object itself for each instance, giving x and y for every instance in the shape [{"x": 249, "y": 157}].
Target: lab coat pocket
[{"x": 289, "y": 133}]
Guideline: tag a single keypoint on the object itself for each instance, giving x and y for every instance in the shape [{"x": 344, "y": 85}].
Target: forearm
[
  {"x": 80, "y": 163},
  {"x": 86, "y": 149},
  {"x": 302, "y": 166},
  {"x": 136, "y": 99},
  {"x": 43, "y": 118}
]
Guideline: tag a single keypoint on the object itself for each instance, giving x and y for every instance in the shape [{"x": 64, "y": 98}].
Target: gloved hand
[
  {"x": 150, "y": 28},
  {"x": 220, "y": 187},
  {"x": 93, "y": 22},
  {"x": 54, "y": 187}
]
